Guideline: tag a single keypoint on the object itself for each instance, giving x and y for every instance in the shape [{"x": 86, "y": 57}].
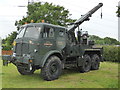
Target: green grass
[{"x": 105, "y": 77}]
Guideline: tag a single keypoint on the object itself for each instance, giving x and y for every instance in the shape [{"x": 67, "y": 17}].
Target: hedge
[{"x": 111, "y": 53}]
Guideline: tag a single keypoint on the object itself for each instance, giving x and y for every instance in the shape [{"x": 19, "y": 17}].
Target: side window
[
  {"x": 61, "y": 33},
  {"x": 48, "y": 32},
  {"x": 51, "y": 32}
]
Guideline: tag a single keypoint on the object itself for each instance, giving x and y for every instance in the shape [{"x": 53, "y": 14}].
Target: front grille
[
  {"x": 25, "y": 48},
  {"x": 22, "y": 48},
  {"x": 18, "y": 49}
]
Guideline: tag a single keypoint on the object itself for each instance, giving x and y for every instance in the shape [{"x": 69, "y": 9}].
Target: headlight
[
  {"x": 31, "y": 42},
  {"x": 14, "y": 55},
  {"x": 35, "y": 50}
]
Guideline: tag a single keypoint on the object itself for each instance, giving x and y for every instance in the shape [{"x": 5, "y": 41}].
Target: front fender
[{"x": 47, "y": 55}]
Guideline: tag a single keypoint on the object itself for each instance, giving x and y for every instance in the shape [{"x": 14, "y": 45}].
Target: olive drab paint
[{"x": 37, "y": 43}]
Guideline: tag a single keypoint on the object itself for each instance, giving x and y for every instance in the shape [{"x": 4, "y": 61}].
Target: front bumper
[
  {"x": 10, "y": 59},
  {"x": 6, "y": 59},
  {"x": 16, "y": 60}
]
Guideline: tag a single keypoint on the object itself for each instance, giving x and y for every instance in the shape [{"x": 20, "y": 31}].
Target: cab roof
[{"x": 43, "y": 24}]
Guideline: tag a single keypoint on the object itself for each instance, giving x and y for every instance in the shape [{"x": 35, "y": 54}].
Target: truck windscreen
[
  {"x": 32, "y": 32},
  {"x": 21, "y": 32}
]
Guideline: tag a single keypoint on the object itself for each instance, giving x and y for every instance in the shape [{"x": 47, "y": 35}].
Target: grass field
[{"x": 105, "y": 77}]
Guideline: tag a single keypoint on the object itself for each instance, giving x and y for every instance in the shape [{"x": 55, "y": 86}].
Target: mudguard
[
  {"x": 47, "y": 55},
  {"x": 100, "y": 50}
]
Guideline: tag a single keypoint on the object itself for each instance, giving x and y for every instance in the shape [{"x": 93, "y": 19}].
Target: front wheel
[
  {"x": 52, "y": 68},
  {"x": 86, "y": 66}
]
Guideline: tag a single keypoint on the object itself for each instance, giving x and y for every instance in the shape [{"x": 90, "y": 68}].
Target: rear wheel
[
  {"x": 95, "y": 62},
  {"x": 24, "y": 71},
  {"x": 86, "y": 64},
  {"x": 52, "y": 69}
]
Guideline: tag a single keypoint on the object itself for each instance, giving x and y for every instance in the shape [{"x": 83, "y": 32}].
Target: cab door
[
  {"x": 48, "y": 40},
  {"x": 60, "y": 38}
]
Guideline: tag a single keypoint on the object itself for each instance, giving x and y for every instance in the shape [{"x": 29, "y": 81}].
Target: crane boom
[{"x": 84, "y": 18}]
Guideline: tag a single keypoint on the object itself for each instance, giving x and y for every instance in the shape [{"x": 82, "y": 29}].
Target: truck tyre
[
  {"x": 52, "y": 68},
  {"x": 24, "y": 71},
  {"x": 86, "y": 64},
  {"x": 95, "y": 62}
]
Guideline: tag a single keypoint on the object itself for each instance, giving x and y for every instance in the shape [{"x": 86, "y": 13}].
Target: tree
[
  {"x": 48, "y": 12},
  {"x": 7, "y": 43},
  {"x": 118, "y": 11},
  {"x": 94, "y": 37},
  {"x": 97, "y": 39},
  {"x": 106, "y": 40},
  {"x": 109, "y": 40}
]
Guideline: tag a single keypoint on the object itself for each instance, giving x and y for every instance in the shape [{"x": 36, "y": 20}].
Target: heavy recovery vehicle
[{"x": 52, "y": 48}]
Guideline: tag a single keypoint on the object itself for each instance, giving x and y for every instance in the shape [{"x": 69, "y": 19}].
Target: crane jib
[{"x": 84, "y": 17}]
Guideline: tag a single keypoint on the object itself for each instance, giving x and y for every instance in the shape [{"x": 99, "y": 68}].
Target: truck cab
[{"x": 35, "y": 40}]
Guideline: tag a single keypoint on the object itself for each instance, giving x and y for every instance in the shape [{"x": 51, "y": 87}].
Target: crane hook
[{"x": 101, "y": 13}]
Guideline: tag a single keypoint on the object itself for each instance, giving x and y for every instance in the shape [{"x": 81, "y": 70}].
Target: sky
[{"x": 105, "y": 27}]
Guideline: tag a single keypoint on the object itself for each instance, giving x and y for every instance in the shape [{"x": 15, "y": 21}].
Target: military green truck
[{"x": 52, "y": 48}]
